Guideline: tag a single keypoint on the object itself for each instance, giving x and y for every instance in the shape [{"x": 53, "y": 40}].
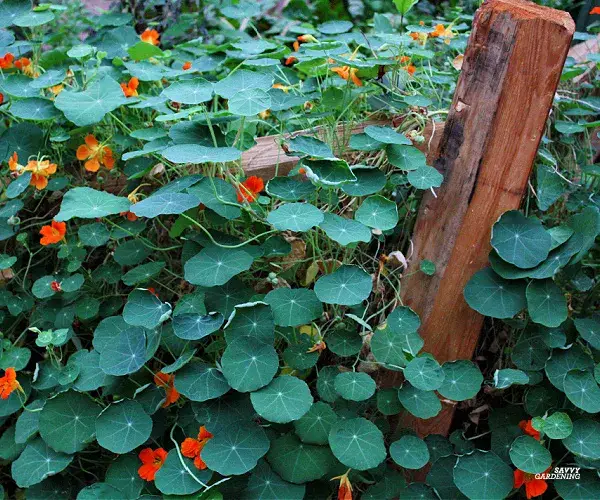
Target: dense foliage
[{"x": 174, "y": 326}]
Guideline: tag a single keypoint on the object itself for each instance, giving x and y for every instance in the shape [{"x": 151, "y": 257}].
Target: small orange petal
[
  {"x": 92, "y": 165},
  {"x": 83, "y": 152}
]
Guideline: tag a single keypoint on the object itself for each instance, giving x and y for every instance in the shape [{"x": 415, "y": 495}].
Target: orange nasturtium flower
[
  {"x": 152, "y": 460},
  {"x": 282, "y": 87},
  {"x": 166, "y": 381},
  {"x": 40, "y": 170},
  {"x": 442, "y": 32},
  {"x": 9, "y": 383},
  {"x": 186, "y": 65},
  {"x": 1, "y": 99},
  {"x": 528, "y": 429},
  {"x": 345, "y": 488},
  {"x": 410, "y": 69},
  {"x": 53, "y": 233},
  {"x": 150, "y": 36},
  {"x": 250, "y": 188},
  {"x": 95, "y": 154},
  {"x": 307, "y": 38},
  {"x": 346, "y": 72},
  {"x": 533, "y": 487},
  {"x": 595, "y": 10},
  {"x": 319, "y": 346},
  {"x": 192, "y": 448},
  {"x": 130, "y": 88},
  {"x": 6, "y": 61}
]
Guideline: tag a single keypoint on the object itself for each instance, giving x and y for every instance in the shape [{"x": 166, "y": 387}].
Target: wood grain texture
[
  {"x": 267, "y": 159},
  {"x": 510, "y": 73}
]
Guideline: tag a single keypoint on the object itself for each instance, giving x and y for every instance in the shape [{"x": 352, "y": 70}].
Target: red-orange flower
[
  {"x": 290, "y": 60},
  {"x": 55, "y": 286},
  {"x": 307, "y": 38},
  {"x": 186, "y": 65},
  {"x": 346, "y": 72},
  {"x": 595, "y": 10},
  {"x": 40, "y": 170},
  {"x": 152, "y": 461},
  {"x": 9, "y": 383},
  {"x": 1, "y": 99},
  {"x": 533, "y": 487},
  {"x": 442, "y": 32},
  {"x": 319, "y": 346},
  {"x": 528, "y": 429},
  {"x": 250, "y": 189},
  {"x": 96, "y": 154},
  {"x": 192, "y": 448},
  {"x": 150, "y": 36},
  {"x": 53, "y": 233},
  {"x": 345, "y": 487},
  {"x": 166, "y": 381},
  {"x": 410, "y": 69},
  {"x": 130, "y": 88},
  {"x": 6, "y": 61}
]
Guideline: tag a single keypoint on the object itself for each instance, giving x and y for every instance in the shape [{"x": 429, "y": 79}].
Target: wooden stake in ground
[{"x": 510, "y": 73}]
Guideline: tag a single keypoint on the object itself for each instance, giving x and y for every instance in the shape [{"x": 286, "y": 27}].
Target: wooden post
[{"x": 510, "y": 73}]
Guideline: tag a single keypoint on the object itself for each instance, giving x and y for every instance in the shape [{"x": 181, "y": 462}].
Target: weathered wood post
[{"x": 510, "y": 73}]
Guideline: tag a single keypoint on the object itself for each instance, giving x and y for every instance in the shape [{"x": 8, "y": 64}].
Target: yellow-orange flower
[
  {"x": 53, "y": 233},
  {"x": 442, "y": 32},
  {"x": 192, "y": 448},
  {"x": 130, "y": 88},
  {"x": 150, "y": 36},
  {"x": 319, "y": 346},
  {"x": 152, "y": 461},
  {"x": 25, "y": 65},
  {"x": 95, "y": 154},
  {"x": 40, "y": 170},
  {"x": 9, "y": 383},
  {"x": 166, "y": 381},
  {"x": 346, "y": 72},
  {"x": 419, "y": 37},
  {"x": 307, "y": 39},
  {"x": 281, "y": 86}
]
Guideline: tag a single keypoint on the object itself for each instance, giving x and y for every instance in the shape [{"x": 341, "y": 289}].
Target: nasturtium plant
[{"x": 206, "y": 212}]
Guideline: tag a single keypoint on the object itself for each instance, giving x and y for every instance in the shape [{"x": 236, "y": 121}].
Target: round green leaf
[
  {"x": 378, "y": 212},
  {"x": 295, "y": 217},
  {"x": 348, "y": 285},
  {"x": 564, "y": 360},
  {"x": 462, "y": 380},
  {"x": 483, "y": 475},
  {"x": 314, "y": 426},
  {"x": 67, "y": 421},
  {"x": 299, "y": 462},
  {"x": 200, "y": 382},
  {"x": 344, "y": 342},
  {"x": 99, "y": 491},
  {"x": 582, "y": 390},
  {"x": 165, "y": 204},
  {"x": 546, "y": 303},
  {"x": 249, "y": 102},
  {"x": 506, "y": 377},
  {"x": 326, "y": 383},
  {"x": 254, "y": 319},
  {"x": 527, "y": 454},
  {"x": 265, "y": 484},
  {"x": 558, "y": 426},
  {"x": 368, "y": 181},
  {"x": 425, "y": 177},
  {"x": 589, "y": 329},
  {"x": 93, "y": 235},
  {"x": 216, "y": 266},
  {"x": 192, "y": 91},
  {"x": 37, "y": 462},
  {"x": 585, "y": 439},
  {"x": 242, "y": 80},
  {"x": 174, "y": 478},
  {"x": 386, "y": 135},
  {"x": 34, "y": 108},
  {"x": 422, "y": 404},
  {"x": 388, "y": 348},
  {"x": 123, "y": 426},
  {"x": 493, "y": 296},
  {"x": 357, "y": 443},
  {"x": 345, "y": 231},
  {"x": 405, "y": 157},
  {"x": 355, "y": 386},
  {"x": 125, "y": 354},
  {"x": 388, "y": 402},
  {"x": 196, "y": 153},
  {"x": 584, "y": 488},
  {"x": 294, "y": 306},
  {"x": 424, "y": 373},
  {"x": 520, "y": 240},
  {"x": 87, "y": 203},
  {"x": 123, "y": 475},
  {"x": 248, "y": 364},
  {"x": 236, "y": 450},
  {"x": 284, "y": 400},
  {"x": 191, "y": 326},
  {"x": 290, "y": 189},
  {"x": 410, "y": 452}
]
